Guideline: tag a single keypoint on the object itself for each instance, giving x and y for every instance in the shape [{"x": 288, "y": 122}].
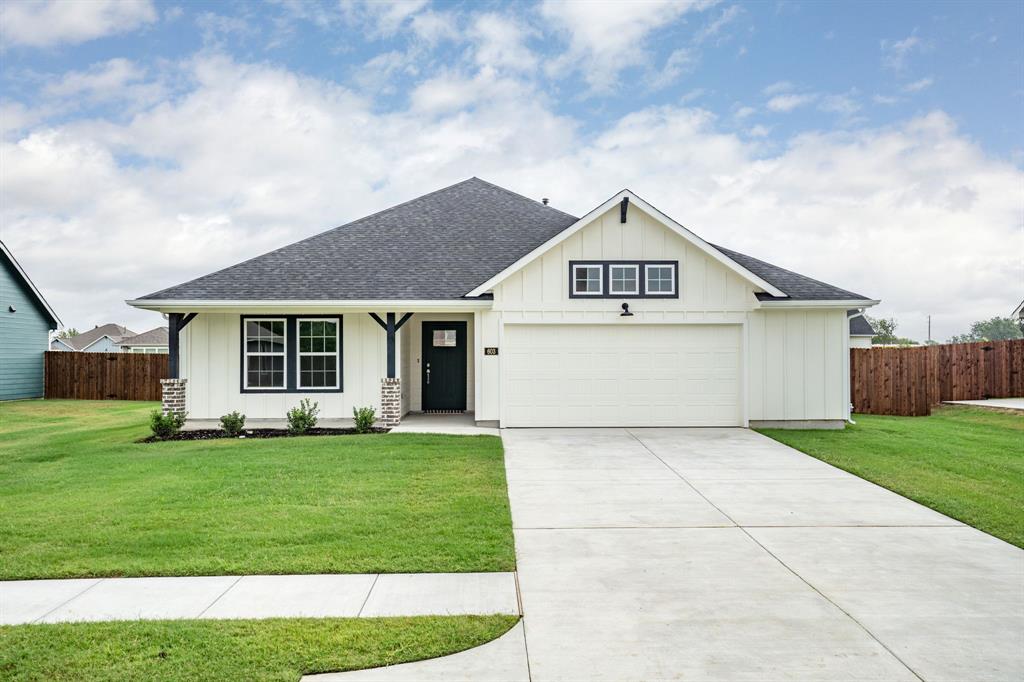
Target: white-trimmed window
[
  {"x": 318, "y": 352},
  {"x": 624, "y": 279},
  {"x": 265, "y": 347},
  {"x": 586, "y": 280},
  {"x": 660, "y": 279}
]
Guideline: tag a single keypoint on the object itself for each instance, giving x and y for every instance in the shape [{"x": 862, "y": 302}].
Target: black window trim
[
  {"x": 291, "y": 354},
  {"x": 641, "y": 284}
]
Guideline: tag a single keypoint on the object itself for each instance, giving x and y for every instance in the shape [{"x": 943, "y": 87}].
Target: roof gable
[
  {"x": 157, "y": 336},
  {"x": 636, "y": 201},
  {"x": 114, "y": 332},
  {"x": 26, "y": 282}
]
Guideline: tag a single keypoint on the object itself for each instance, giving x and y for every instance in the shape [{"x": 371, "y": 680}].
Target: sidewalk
[{"x": 258, "y": 596}]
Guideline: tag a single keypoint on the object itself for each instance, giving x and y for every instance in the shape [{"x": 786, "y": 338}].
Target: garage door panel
[{"x": 604, "y": 375}]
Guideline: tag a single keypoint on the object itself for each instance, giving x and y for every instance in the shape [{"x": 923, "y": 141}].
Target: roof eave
[
  {"x": 404, "y": 305},
  {"x": 797, "y": 303}
]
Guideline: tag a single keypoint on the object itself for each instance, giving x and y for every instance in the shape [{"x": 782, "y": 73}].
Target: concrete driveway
[{"x": 720, "y": 554}]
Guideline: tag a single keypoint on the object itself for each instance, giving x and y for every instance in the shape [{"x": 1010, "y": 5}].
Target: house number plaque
[{"x": 490, "y": 350}]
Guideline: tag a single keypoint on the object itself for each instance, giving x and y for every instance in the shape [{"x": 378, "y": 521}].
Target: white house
[
  {"x": 474, "y": 298},
  {"x": 104, "y": 338}
]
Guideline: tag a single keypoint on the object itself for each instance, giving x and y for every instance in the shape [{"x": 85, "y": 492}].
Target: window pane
[
  {"x": 588, "y": 279},
  {"x": 331, "y": 344},
  {"x": 304, "y": 328},
  {"x": 444, "y": 338},
  {"x": 623, "y": 279}
]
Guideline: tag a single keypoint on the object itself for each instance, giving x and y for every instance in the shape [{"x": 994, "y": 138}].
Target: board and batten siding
[
  {"x": 793, "y": 361},
  {"x": 211, "y": 361},
  {"x": 797, "y": 365},
  {"x": 24, "y": 336}
]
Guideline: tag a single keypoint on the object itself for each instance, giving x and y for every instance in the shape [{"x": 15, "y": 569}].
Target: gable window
[
  {"x": 586, "y": 280},
  {"x": 318, "y": 353},
  {"x": 265, "y": 342},
  {"x": 624, "y": 279},
  {"x": 660, "y": 279}
]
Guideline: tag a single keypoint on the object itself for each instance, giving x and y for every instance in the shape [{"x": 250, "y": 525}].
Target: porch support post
[
  {"x": 173, "y": 327},
  {"x": 391, "y": 385},
  {"x": 391, "y": 345}
]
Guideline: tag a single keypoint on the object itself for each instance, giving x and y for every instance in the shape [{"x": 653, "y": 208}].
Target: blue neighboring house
[{"x": 26, "y": 321}]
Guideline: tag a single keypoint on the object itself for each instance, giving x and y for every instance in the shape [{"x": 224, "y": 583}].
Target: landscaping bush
[
  {"x": 166, "y": 425},
  {"x": 302, "y": 418},
  {"x": 233, "y": 423},
  {"x": 365, "y": 417}
]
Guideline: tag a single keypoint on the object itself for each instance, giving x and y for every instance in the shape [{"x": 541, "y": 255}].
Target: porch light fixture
[{"x": 625, "y": 311}]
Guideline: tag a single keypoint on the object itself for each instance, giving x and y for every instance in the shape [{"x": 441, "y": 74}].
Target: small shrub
[
  {"x": 365, "y": 418},
  {"x": 166, "y": 425},
  {"x": 302, "y": 418},
  {"x": 233, "y": 423}
]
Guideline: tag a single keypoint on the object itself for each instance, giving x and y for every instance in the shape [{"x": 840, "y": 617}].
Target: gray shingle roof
[
  {"x": 437, "y": 247},
  {"x": 154, "y": 337},
  {"x": 796, "y": 286},
  {"x": 115, "y": 331},
  {"x": 859, "y": 326}
]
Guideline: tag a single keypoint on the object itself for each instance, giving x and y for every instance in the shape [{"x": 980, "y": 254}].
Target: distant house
[
  {"x": 105, "y": 338},
  {"x": 153, "y": 341},
  {"x": 1018, "y": 313},
  {"x": 25, "y": 323},
  {"x": 861, "y": 331}
]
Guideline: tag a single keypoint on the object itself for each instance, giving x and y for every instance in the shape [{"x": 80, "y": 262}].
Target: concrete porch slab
[{"x": 460, "y": 424}]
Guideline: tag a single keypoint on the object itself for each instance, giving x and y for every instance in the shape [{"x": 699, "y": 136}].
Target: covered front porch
[{"x": 260, "y": 363}]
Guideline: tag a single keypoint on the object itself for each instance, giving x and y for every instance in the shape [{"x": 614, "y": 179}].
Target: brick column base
[
  {"x": 173, "y": 401},
  {"x": 390, "y": 402}
]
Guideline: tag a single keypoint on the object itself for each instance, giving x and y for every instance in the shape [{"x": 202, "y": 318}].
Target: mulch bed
[{"x": 217, "y": 434}]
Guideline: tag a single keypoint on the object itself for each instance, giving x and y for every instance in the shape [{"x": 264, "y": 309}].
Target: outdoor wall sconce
[{"x": 625, "y": 311}]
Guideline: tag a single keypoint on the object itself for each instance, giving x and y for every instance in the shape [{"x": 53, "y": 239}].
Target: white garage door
[{"x": 619, "y": 375}]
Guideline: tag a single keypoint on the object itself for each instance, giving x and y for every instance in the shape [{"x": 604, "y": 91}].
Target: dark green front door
[{"x": 444, "y": 366}]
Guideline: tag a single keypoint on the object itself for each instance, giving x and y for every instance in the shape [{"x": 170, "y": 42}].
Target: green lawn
[
  {"x": 218, "y": 650},
  {"x": 81, "y": 498},
  {"x": 967, "y": 463}
]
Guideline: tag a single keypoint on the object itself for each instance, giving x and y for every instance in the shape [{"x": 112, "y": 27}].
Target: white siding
[
  {"x": 211, "y": 362},
  {"x": 796, "y": 364},
  {"x": 860, "y": 342},
  {"x": 709, "y": 292}
]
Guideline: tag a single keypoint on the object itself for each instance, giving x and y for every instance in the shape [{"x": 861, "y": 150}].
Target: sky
[{"x": 875, "y": 146}]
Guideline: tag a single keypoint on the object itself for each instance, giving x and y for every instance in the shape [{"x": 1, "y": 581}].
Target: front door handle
[{"x": 428, "y": 375}]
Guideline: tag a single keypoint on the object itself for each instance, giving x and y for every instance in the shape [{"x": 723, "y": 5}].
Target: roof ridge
[
  {"x": 523, "y": 196},
  {"x": 727, "y": 251}
]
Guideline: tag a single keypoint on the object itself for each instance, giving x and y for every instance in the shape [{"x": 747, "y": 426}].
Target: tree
[
  {"x": 996, "y": 329},
  {"x": 67, "y": 333},
  {"x": 885, "y": 332}
]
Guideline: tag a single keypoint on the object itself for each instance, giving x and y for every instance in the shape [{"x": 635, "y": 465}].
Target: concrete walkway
[
  {"x": 258, "y": 596},
  {"x": 719, "y": 554},
  {"x": 1001, "y": 403}
]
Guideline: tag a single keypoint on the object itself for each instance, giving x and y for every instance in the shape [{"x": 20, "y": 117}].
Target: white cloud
[
  {"x": 433, "y": 27},
  {"x": 682, "y": 61},
  {"x": 896, "y": 52},
  {"x": 776, "y": 88},
  {"x": 845, "y": 105},
  {"x": 886, "y": 100},
  {"x": 84, "y": 203},
  {"x": 744, "y": 112},
  {"x": 500, "y": 41},
  {"x": 383, "y": 17},
  {"x": 34, "y": 23},
  {"x": 759, "y": 131},
  {"x": 101, "y": 81},
  {"x": 786, "y": 103},
  {"x": 607, "y": 36},
  {"x": 919, "y": 85},
  {"x": 713, "y": 29}
]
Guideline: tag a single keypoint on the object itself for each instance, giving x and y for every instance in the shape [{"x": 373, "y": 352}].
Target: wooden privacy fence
[
  {"x": 908, "y": 381},
  {"x": 104, "y": 376}
]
